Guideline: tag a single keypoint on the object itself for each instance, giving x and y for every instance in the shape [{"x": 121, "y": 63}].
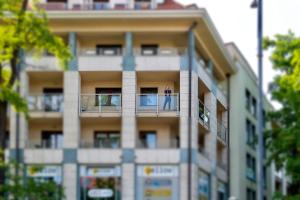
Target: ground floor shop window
[
  {"x": 155, "y": 182},
  {"x": 221, "y": 191},
  {"x": 100, "y": 183},
  {"x": 49, "y": 173},
  {"x": 203, "y": 185}
]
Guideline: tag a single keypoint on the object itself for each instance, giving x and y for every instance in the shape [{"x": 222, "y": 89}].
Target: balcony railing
[
  {"x": 203, "y": 152},
  {"x": 100, "y": 103},
  {"x": 204, "y": 114},
  {"x": 53, "y": 6},
  {"x": 101, "y": 144},
  {"x": 222, "y": 131},
  {"x": 146, "y": 144},
  {"x": 157, "y": 103},
  {"x": 142, "y": 5},
  {"x": 46, "y": 103},
  {"x": 44, "y": 144}
]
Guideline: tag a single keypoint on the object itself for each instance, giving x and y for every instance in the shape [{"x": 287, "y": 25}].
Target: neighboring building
[
  {"x": 243, "y": 131},
  {"x": 105, "y": 128}
]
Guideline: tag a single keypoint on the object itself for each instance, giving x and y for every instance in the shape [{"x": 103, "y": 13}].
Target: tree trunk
[{"x": 3, "y": 121}]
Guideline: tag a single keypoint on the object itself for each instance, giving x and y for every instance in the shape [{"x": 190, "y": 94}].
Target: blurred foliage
[
  {"x": 284, "y": 139},
  {"x": 20, "y": 187}
]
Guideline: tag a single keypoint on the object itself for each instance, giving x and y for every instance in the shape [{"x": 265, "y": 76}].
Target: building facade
[
  {"x": 243, "y": 131},
  {"x": 116, "y": 124}
]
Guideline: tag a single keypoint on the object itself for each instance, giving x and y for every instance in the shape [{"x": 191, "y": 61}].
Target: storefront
[
  {"x": 100, "y": 183},
  {"x": 203, "y": 185},
  {"x": 156, "y": 182}
]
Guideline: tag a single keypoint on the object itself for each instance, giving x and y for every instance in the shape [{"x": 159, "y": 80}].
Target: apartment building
[
  {"x": 243, "y": 131},
  {"x": 116, "y": 124}
]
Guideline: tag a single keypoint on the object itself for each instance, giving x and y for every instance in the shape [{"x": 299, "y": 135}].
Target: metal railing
[
  {"x": 44, "y": 144},
  {"x": 157, "y": 103},
  {"x": 53, "y": 6},
  {"x": 171, "y": 51},
  {"x": 146, "y": 144},
  {"x": 204, "y": 114},
  {"x": 222, "y": 131},
  {"x": 100, "y": 103},
  {"x": 46, "y": 102},
  {"x": 102, "y": 144}
]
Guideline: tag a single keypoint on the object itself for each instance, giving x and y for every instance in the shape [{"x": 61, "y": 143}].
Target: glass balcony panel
[
  {"x": 157, "y": 103},
  {"x": 46, "y": 103},
  {"x": 101, "y": 103}
]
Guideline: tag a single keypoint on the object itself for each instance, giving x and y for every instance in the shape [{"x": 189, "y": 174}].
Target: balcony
[
  {"x": 158, "y": 104},
  {"x": 221, "y": 164},
  {"x": 105, "y": 143},
  {"x": 222, "y": 132},
  {"x": 45, "y": 62},
  {"x": 148, "y": 144},
  {"x": 90, "y": 60},
  {"x": 160, "y": 59},
  {"x": 100, "y": 104},
  {"x": 46, "y": 103},
  {"x": 204, "y": 115},
  {"x": 44, "y": 144}
]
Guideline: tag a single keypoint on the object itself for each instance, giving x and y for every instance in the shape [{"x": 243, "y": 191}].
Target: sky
[{"x": 237, "y": 22}]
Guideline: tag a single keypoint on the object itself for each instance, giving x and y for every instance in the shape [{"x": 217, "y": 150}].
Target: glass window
[
  {"x": 107, "y": 139},
  {"x": 103, "y": 183},
  {"x": 251, "y": 167},
  {"x": 108, "y": 96},
  {"x": 148, "y": 96},
  {"x": 251, "y": 194},
  {"x": 248, "y": 99},
  {"x": 149, "y": 50},
  {"x": 109, "y": 50},
  {"x": 148, "y": 139},
  {"x": 203, "y": 186},
  {"x": 53, "y": 99},
  {"x": 52, "y": 139},
  {"x": 254, "y": 107}
]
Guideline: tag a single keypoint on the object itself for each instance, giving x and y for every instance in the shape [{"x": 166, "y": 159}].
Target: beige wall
[
  {"x": 160, "y": 85},
  {"x": 36, "y": 128},
  {"x": 90, "y": 86}
]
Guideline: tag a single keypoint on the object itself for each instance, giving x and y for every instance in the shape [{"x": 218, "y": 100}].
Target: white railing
[
  {"x": 145, "y": 144},
  {"x": 157, "y": 103},
  {"x": 44, "y": 144},
  {"x": 100, "y": 103},
  {"x": 204, "y": 114},
  {"x": 159, "y": 51},
  {"x": 46, "y": 103}
]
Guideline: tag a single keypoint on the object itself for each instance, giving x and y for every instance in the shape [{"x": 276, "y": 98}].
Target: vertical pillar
[
  {"x": 23, "y": 121},
  {"x": 129, "y": 126},
  {"x": 210, "y": 102},
  {"x": 153, "y": 4},
  {"x": 71, "y": 131},
  {"x": 73, "y": 66}
]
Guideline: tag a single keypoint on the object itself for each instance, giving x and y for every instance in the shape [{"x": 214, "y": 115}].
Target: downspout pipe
[{"x": 191, "y": 52}]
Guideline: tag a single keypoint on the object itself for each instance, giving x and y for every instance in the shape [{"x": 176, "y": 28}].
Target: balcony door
[
  {"x": 107, "y": 139},
  {"x": 52, "y": 139},
  {"x": 108, "y": 96},
  {"x": 148, "y": 139},
  {"x": 148, "y": 97},
  {"x": 53, "y": 99}
]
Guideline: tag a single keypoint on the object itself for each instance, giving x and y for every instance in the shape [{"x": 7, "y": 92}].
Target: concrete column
[
  {"x": 24, "y": 90},
  {"x": 73, "y": 65},
  {"x": 70, "y": 176},
  {"x": 128, "y": 181},
  {"x": 210, "y": 102},
  {"x": 184, "y": 84},
  {"x": 71, "y": 121}
]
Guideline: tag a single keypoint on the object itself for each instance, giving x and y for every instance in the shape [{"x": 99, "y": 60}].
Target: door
[{"x": 53, "y": 99}]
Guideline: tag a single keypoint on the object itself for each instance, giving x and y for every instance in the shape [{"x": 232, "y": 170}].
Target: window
[
  {"x": 53, "y": 99},
  {"x": 149, "y": 50},
  {"x": 109, "y": 50},
  {"x": 265, "y": 176},
  {"x": 52, "y": 139},
  {"x": 148, "y": 139},
  {"x": 248, "y": 99},
  {"x": 108, "y": 96},
  {"x": 251, "y": 167},
  {"x": 107, "y": 139},
  {"x": 253, "y": 107},
  {"x": 250, "y": 130},
  {"x": 148, "y": 96},
  {"x": 251, "y": 194}
]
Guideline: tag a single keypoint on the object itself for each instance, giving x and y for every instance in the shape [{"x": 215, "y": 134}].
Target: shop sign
[
  {"x": 158, "y": 171},
  {"x": 103, "y": 172},
  {"x": 43, "y": 171},
  {"x": 100, "y": 193}
]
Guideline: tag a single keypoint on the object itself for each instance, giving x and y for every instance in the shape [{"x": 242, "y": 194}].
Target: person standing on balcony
[{"x": 167, "y": 92}]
